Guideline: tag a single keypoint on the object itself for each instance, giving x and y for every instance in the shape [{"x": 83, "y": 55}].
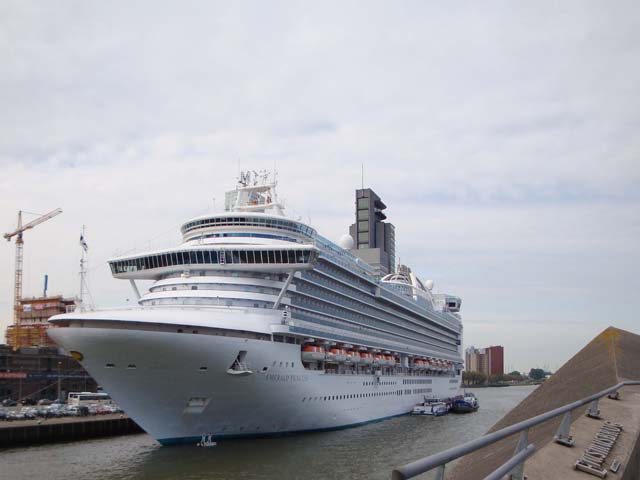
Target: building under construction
[
  {"x": 35, "y": 373},
  {"x": 34, "y": 313}
]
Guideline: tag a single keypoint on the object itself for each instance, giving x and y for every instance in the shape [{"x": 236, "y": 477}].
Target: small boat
[
  {"x": 431, "y": 407},
  {"x": 466, "y": 403}
]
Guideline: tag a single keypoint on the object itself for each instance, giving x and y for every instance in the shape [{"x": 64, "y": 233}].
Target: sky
[{"x": 503, "y": 136}]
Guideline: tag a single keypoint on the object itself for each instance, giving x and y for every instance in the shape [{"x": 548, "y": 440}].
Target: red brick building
[{"x": 489, "y": 360}]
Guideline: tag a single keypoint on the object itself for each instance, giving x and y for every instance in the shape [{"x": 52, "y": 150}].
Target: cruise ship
[{"x": 257, "y": 325}]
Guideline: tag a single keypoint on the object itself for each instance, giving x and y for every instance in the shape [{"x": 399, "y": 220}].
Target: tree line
[{"x": 479, "y": 378}]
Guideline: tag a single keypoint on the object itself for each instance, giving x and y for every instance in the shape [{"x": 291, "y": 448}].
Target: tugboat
[
  {"x": 432, "y": 407},
  {"x": 466, "y": 403}
]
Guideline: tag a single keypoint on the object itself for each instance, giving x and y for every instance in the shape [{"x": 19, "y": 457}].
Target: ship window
[
  {"x": 228, "y": 257},
  {"x": 236, "y": 256},
  {"x": 200, "y": 257},
  {"x": 363, "y": 226},
  {"x": 272, "y": 256},
  {"x": 278, "y": 255},
  {"x": 251, "y": 256},
  {"x": 194, "y": 287},
  {"x": 243, "y": 257},
  {"x": 206, "y": 256},
  {"x": 363, "y": 214},
  {"x": 363, "y": 202}
]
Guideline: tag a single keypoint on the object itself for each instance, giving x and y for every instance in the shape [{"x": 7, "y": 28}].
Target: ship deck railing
[{"x": 523, "y": 449}]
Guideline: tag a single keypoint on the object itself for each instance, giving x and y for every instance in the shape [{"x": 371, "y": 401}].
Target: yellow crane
[{"x": 17, "y": 300}]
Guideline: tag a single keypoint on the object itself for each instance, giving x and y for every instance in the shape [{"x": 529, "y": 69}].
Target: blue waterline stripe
[{"x": 187, "y": 440}]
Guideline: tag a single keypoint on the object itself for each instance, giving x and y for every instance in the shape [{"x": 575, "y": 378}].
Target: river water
[{"x": 367, "y": 452}]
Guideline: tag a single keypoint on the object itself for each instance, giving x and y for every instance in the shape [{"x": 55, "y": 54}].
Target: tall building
[
  {"x": 489, "y": 360},
  {"x": 33, "y": 320},
  {"x": 374, "y": 239}
]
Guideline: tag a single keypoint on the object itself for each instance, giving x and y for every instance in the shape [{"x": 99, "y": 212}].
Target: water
[{"x": 367, "y": 452}]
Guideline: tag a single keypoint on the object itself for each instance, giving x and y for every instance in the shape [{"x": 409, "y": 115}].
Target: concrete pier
[
  {"x": 611, "y": 357},
  {"x": 30, "y": 432}
]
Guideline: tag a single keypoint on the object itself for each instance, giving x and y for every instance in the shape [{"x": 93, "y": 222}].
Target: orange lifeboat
[
  {"x": 389, "y": 360},
  {"x": 366, "y": 358},
  {"x": 337, "y": 355},
  {"x": 353, "y": 357},
  {"x": 378, "y": 359},
  {"x": 312, "y": 353}
]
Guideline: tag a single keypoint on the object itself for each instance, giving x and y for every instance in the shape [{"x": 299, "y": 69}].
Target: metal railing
[{"x": 515, "y": 465}]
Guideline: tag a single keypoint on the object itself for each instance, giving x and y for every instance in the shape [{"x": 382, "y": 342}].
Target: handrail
[{"x": 425, "y": 464}]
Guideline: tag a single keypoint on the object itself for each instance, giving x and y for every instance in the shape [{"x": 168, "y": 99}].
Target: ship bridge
[{"x": 154, "y": 265}]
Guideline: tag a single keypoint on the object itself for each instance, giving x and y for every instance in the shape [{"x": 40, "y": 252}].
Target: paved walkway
[{"x": 556, "y": 461}]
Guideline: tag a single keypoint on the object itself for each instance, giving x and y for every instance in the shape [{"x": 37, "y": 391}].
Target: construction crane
[{"x": 17, "y": 300}]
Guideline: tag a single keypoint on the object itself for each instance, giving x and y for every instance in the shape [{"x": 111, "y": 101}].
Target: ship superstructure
[{"x": 257, "y": 325}]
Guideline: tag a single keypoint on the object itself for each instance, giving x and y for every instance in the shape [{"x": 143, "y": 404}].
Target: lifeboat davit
[{"x": 312, "y": 353}]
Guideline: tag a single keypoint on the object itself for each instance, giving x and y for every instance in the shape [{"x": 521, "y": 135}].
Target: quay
[
  {"x": 31, "y": 432},
  {"x": 557, "y": 429}
]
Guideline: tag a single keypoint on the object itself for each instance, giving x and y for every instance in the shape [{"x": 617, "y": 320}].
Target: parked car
[
  {"x": 45, "y": 401},
  {"x": 3, "y": 414},
  {"x": 15, "y": 415},
  {"x": 29, "y": 413},
  {"x": 27, "y": 401},
  {"x": 7, "y": 402},
  {"x": 55, "y": 411},
  {"x": 71, "y": 411}
]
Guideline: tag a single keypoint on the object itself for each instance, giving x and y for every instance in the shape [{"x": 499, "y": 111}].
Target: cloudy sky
[{"x": 502, "y": 135}]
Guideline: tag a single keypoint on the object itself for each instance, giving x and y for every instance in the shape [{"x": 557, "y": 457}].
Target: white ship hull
[{"x": 159, "y": 379}]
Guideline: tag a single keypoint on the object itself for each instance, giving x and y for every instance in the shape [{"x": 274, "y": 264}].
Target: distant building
[
  {"x": 489, "y": 360},
  {"x": 374, "y": 239},
  {"x": 33, "y": 320}
]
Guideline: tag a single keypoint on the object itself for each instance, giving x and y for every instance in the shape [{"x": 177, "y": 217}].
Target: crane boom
[
  {"x": 21, "y": 228},
  {"x": 17, "y": 299}
]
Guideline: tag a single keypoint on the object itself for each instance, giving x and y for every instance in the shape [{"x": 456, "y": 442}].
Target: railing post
[
  {"x": 593, "y": 411},
  {"x": 440, "y": 472},
  {"x": 518, "y": 472},
  {"x": 562, "y": 435}
]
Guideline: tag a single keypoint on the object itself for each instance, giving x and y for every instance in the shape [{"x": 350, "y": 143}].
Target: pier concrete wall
[
  {"x": 632, "y": 470},
  {"x": 14, "y": 435}
]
